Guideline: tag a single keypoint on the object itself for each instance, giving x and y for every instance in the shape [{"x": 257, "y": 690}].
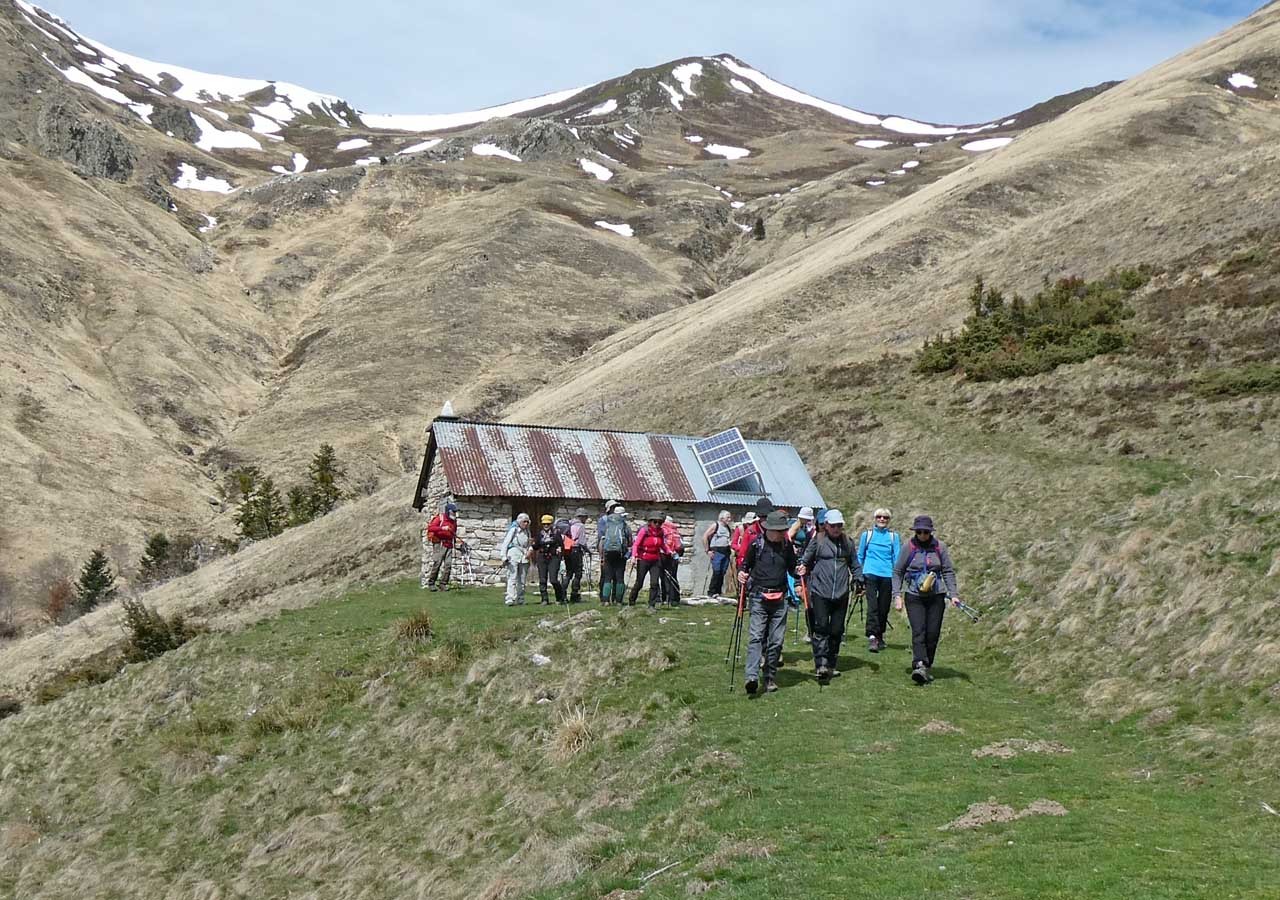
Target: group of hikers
[{"x": 781, "y": 564}]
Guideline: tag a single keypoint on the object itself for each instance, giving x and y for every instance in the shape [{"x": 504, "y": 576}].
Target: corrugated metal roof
[{"x": 482, "y": 459}]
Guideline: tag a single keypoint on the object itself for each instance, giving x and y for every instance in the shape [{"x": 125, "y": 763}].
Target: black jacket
[
  {"x": 768, "y": 564},
  {"x": 548, "y": 543}
]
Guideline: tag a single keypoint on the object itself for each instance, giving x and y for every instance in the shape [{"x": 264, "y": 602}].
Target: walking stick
[
  {"x": 973, "y": 614},
  {"x": 735, "y": 635},
  {"x": 859, "y": 594}
]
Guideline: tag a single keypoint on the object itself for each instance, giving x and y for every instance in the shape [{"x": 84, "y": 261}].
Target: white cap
[
  {"x": 749, "y": 518},
  {"x": 619, "y": 511},
  {"x": 834, "y": 517},
  {"x": 806, "y": 513}
]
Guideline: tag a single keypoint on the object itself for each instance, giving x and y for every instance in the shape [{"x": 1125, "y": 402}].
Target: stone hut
[{"x": 494, "y": 471}]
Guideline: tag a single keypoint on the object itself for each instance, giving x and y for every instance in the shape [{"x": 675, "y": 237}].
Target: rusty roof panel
[{"x": 488, "y": 460}]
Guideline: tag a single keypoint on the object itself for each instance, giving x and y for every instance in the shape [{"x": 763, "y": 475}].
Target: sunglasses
[
  {"x": 918, "y": 531},
  {"x": 885, "y": 518}
]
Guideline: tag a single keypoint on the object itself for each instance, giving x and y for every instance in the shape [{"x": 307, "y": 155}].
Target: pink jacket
[
  {"x": 671, "y": 540},
  {"x": 649, "y": 545}
]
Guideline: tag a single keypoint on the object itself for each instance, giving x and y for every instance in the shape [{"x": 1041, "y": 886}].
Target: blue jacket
[{"x": 878, "y": 550}]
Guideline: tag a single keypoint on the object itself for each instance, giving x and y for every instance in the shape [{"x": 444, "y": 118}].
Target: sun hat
[
  {"x": 806, "y": 513},
  {"x": 776, "y": 521},
  {"x": 654, "y": 517},
  {"x": 581, "y": 513},
  {"x": 619, "y": 510},
  {"x": 609, "y": 505},
  {"x": 749, "y": 518},
  {"x": 922, "y": 523},
  {"x": 834, "y": 517}
]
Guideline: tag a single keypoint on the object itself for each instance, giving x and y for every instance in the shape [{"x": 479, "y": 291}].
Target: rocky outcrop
[
  {"x": 92, "y": 146},
  {"x": 175, "y": 121}
]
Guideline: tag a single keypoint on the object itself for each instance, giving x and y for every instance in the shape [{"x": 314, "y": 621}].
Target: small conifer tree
[
  {"x": 300, "y": 507},
  {"x": 758, "y": 231},
  {"x": 154, "y": 566},
  {"x": 324, "y": 474},
  {"x": 97, "y": 583},
  {"x": 262, "y": 513}
]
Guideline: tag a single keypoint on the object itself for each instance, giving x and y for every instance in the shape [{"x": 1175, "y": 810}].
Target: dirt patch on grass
[
  {"x": 938, "y": 726},
  {"x": 718, "y": 759},
  {"x": 731, "y": 851},
  {"x": 1016, "y": 747},
  {"x": 15, "y": 837},
  {"x": 979, "y": 815}
]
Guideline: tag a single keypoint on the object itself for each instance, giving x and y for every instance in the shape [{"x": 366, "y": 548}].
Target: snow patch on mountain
[
  {"x": 987, "y": 144},
  {"x": 353, "y": 144},
  {"x": 778, "y": 89},
  {"x": 74, "y": 75},
  {"x": 211, "y": 223},
  {"x": 623, "y": 229},
  {"x": 264, "y": 125},
  {"x": 872, "y": 145},
  {"x": 214, "y": 138},
  {"x": 299, "y": 165},
  {"x": 445, "y": 121},
  {"x": 693, "y": 138},
  {"x": 677, "y": 98},
  {"x": 911, "y": 164},
  {"x": 494, "y": 150},
  {"x": 727, "y": 152},
  {"x": 739, "y": 85},
  {"x": 603, "y": 109},
  {"x": 418, "y": 148},
  {"x": 1241, "y": 80},
  {"x": 368, "y": 161},
  {"x": 189, "y": 180},
  {"x": 684, "y": 74},
  {"x": 594, "y": 168}
]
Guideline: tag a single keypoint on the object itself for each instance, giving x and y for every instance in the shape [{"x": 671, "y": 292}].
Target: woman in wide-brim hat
[{"x": 926, "y": 579}]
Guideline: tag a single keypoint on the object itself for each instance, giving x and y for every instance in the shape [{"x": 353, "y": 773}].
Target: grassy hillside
[{"x": 320, "y": 753}]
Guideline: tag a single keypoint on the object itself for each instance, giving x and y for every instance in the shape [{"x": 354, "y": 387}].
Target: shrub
[
  {"x": 149, "y": 633},
  {"x": 1254, "y": 378},
  {"x": 97, "y": 584},
  {"x": 417, "y": 628},
  {"x": 1067, "y": 322},
  {"x": 94, "y": 671},
  {"x": 59, "y": 602}
]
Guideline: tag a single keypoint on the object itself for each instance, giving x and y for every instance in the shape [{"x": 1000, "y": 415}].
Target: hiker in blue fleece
[
  {"x": 925, "y": 575},
  {"x": 878, "y": 550}
]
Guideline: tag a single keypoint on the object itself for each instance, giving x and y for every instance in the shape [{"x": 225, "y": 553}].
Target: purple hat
[{"x": 922, "y": 523}]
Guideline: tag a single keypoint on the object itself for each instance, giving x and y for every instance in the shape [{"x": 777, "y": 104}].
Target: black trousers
[
  {"x": 925, "y": 614},
  {"x": 653, "y": 571},
  {"x": 879, "y": 600},
  {"x": 719, "y": 565},
  {"x": 613, "y": 576},
  {"x": 671, "y": 580},
  {"x": 549, "y": 571},
  {"x": 573, "y": 574},
  {"x": 826, "y": 628}
]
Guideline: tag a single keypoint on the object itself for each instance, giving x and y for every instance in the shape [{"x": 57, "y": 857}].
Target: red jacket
[
  {"x": 742, "y": 538},
  {"x": 442, "y": 530},
  {"x": 649, "y": 545},
  {"x": 672, "y": 540}
]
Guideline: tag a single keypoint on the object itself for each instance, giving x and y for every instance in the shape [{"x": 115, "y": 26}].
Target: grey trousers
[
  {"x": 764, "y": 642},
  {"x": 517, "y": 575}
]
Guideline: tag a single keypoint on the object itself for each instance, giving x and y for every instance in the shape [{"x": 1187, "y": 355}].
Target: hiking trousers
[
  {"x": 517, "y": 575},
  {"x": 613, "y": 576},
  {"x": 768, "y": 626},
  {"x": 719, "y": 565},
  {"x": 925, "y": 613},
  {"x": 651, "y": 569},
  {"x": 549, "y": 571},
  {"x": 826, "y": 629},
  {"x": 437, "y": 573},
  {"x": 573, "y": 574},
  {"x": 879, "y": 602},
  {"x": 671, "y": 580}
]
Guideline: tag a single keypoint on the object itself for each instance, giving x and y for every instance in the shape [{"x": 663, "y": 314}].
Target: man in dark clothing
[
  {"x": 614, "y": 542},
  {"x": 548, "y": 552},
  {"x": 764, "y": 570},
  {"x": 828, "y": 566}
]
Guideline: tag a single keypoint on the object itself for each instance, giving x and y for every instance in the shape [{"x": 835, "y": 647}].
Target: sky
[{"x": 948, "y": 61}]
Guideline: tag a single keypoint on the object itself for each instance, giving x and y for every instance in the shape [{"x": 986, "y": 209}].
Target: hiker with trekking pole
[
  {"x": 437, "y": 548},
  {"x": 576, "y": 555},
  {"x": 718, "y": 539},
  {"x": 673, "y": 544},
  {"x": 763, "y": 573},
  {"x": 827, "y": 572},
  {"x": 614, "y": 543},
  {"x": 548, "y": 552},
  {"x": 925, "y": 577},
  {"x": 878, "y": 551},
  {"x": 648, "y": 554}
]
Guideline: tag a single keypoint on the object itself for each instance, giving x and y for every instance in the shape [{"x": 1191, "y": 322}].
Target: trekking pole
[
  {"x": 735, "y": 636},
  {"x": 973, "y": 613}
]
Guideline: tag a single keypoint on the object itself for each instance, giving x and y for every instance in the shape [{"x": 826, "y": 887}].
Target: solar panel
[{"x": 724, "y": 458}]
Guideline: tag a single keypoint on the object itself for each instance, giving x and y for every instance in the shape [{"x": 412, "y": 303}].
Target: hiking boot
[
  {"x": 751, "y": 686},
  {"x": 771, "y": 686},
  {"x": 432, "y": 587},
  {"x": 928, "y": 674},
  {"x": 835, "y": 673},
  {"x": 920, "y": 674},
  {"x": 510, "y": 602},
  {"x": 873, "y": 646},
  {"x": 824, "y": 675}
]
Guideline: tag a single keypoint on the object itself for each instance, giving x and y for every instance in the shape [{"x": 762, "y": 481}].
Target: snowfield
[
  {"x": 353, "y": 144},
  {"x": 418, "y": 148},
  {"x": 677, "y": 98},
  {"x": 299, "y": 164},
  {"x": 603, "y": 109},
  {"x": 623, "y": 229},
  {"x": 444, "y": 121},
  {"x": 727, "y": 152},
  {"x": 493, "y": 150},
  {"x": 685, "y": 74},
  {"x": 872, "y": 145},
  {"x": 987, "y": 144},
  {"x": 189, "y": 180},
  {"x": 214, "y": 138},
  {"x": 739, "y": 85},
  {"x": 594, "y": 168}
]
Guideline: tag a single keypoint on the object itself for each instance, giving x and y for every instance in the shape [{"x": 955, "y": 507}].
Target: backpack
[
  {"x": 895, "y": 545},
  {"x": 562, "y": 528},
  {"x": 926, "y": 581},
  {"x": 615, "y": 534}
]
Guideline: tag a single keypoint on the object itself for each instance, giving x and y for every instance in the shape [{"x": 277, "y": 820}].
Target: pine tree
[
  {"x": 758, "y": 231},
  {"x": 272, "y": 513},
  {"x": 262, "y": 513},
  {"x": 324, "y": 473},
  {"x": 155, "y": 566},
  {"x": 97, "y": 583},
  {"x": 300, "y": 507}
]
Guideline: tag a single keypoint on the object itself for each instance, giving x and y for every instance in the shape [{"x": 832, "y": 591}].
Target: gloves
[{"x": 860, "y": 580}]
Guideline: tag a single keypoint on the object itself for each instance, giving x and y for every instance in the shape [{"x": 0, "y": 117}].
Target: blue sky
[{"x": 941, "y": 60}]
